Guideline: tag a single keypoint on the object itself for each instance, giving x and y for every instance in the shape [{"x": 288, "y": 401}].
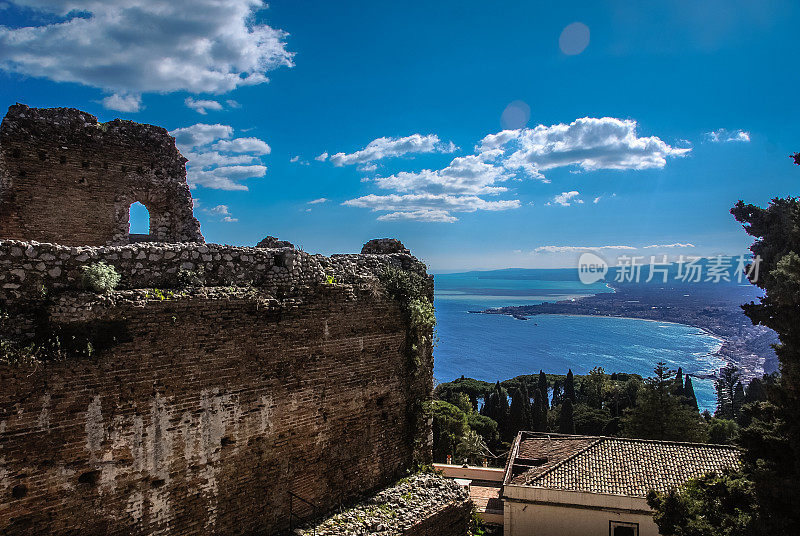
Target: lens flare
[
  {"x": 574, "y": 39},
  {"x": 515, "y": 115}
]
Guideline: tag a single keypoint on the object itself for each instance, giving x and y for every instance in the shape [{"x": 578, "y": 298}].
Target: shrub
[
  {"x": 192, "y": 278},
  {"x": 100, "y": 277},
  {"x": 421, "y": 314}
]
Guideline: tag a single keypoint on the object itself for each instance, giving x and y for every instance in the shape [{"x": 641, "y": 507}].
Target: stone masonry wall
[
  {"x": 68, "y": 179},
  {"x": 421, "y": 505},
  {"x": 198, "y": 412}
]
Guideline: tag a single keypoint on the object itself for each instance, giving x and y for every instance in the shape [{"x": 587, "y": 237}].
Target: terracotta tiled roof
[
  {"x": 539, "y": 454},
  {"x": 620, "y": 466},
  {"x": 486, "y": 496}
]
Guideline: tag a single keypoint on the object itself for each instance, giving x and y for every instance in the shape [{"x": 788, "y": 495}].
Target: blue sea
[{"x": 499, "y": 347}]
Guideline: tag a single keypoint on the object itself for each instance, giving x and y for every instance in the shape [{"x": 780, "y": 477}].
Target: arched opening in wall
[{"x": 139, "y": 226}]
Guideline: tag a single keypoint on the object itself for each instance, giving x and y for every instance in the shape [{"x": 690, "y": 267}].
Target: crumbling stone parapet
[
  {"x": 384, "y": 246},
  {"x": 272, "y": 242},
  {"x": 68, "y": 179}
]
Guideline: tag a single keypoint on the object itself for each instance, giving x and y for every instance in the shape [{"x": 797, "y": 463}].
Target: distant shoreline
[{"x": 740, "y": 343}]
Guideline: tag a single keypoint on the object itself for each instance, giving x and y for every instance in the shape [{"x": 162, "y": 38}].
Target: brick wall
[
  {"x": 206, "y": 411},
  {"x": 453, "y": 520},
  {"x": 68, "y": 179}
]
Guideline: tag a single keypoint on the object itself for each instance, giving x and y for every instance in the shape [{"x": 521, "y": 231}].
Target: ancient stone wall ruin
[
  {"x": 197, "y": 410},
  {"x": 213, "y": 383},
  {"x": 66, "y": 178}
]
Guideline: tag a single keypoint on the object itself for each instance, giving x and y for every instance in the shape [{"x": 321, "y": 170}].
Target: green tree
[
  {"x": 566, "y": 418},
  {"x": 519, "y": 416},
  {"x": 449, "y": 426},
  {"x": 755, "y": 391},
  {"x": 712, "y": 505},
  {"x": 660, "y": 414},
  {"x": 462, "y": 402},
  {"x": 722, "y": 431},
  {"x": 590, "y": 420},
  {"x": 688, "y": 393},
  {"x": 497, "y": 409},
  {"x": 538, "y": 412},
  {"x": 726, "y": 385},
  {"x": 569, "y": 386},
  {"x": 771, "y": 442},
  {"x": 558, "y": 394},
  {"x": 738, "y": 399},
  {"x": 595, "y": 386},
  {"x": 471, "y": 448},
  {"x": 485, "y": 427},
  {"x": 679, "y": 382},
  {"x": 475, "y": 390},
  {"x": 543, "y": 388}
]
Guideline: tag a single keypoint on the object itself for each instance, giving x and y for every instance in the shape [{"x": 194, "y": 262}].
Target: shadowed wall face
[
  {"x": 67, "y": 179},
  {"x": 202, "y": 413}
]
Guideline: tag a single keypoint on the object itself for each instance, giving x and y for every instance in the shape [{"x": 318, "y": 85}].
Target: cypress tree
[
  {"x": 738, "y": 400},
  {"x": 688, "y": 392},
  {"x": 519, "y": 412},
  {"x": 566, "y": 419},
  {"x": 543, "y": 388},
  {"x": 755, "y": 391},
  {"x": 558, "y": 395},
  {"x": 539, "y": 412},
  {"x": 498, "y": 410},
  {"x": 569, "y": 387},
  {"x": 679, "y": 382}
]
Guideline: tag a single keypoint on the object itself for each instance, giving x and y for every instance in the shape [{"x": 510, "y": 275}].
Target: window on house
[
  {"x": 139, "y": 219},
  {"x": 621, "y": 528}
]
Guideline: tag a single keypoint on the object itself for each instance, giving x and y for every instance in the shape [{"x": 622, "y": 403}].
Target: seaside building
[{"x": 569, "y": 485}]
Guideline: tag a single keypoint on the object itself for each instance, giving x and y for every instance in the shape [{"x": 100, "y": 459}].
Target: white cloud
[
  {"x": 318, "y": 201},
  {"x": 571, "y": 249},
  {"x": 464, "y": 175},
  {"x": 675, "y": 245},
  {"x": 321, "y": 158},
  {"x": 721, "y": 136},
  {"x": 589, "y": 143},
  {"x": 597, "y": 199},
  {"x": 216, "y": 161},
  {"x": 233, "y": 104},
  {"x": 213, "y": 158},
  {"x": 294, "y": 159},
  {"x": 427, "y": 206},
  {"x": 202, "y": 106},
  {"x": 586, "y": 144},
  {"x": 200, "y": 134},
  {"x": 223, "y": 212},
  {"x": 427, "y": 215},
  {"x": 224, "y": 178},
  {"x": 566, "y": 199},
  {"x": 243, "y": 145},
  {"x": 381, "y": 148},
  {"x": 123, "y": 102},
  {"x": 130, "y": 47}
]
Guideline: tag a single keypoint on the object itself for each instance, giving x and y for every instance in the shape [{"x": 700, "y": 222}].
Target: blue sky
[{"x": 479, "y": 134}]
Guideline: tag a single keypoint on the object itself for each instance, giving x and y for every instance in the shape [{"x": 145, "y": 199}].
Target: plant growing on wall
[
  {"x": 192, "y": 278},
  {"x": 100, "y": 277},
  {"x": 412, "y": 291}
]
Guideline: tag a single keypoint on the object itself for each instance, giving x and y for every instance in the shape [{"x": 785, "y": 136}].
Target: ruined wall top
[
  {"x": 66, "y": 178},
  {"x": 384, "y": 246}
]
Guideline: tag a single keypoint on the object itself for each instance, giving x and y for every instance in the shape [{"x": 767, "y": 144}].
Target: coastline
[{"x": 741, "y": 344}]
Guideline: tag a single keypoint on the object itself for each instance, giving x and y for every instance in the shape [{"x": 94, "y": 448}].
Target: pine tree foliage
[{"x": 660, "y": 414}]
